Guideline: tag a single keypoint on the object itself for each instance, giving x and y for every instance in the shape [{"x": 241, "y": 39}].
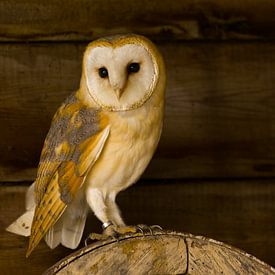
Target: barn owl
[{"x": 100, "y": 141}]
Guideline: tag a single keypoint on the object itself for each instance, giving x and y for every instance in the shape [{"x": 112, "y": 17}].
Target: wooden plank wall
[
  {"x": 220, "y": 107},
  {"x": 165, "y": 20}
]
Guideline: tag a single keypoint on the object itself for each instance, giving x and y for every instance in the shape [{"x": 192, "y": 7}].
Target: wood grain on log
[
  {"x": 235, "y": 212},
  {"x": 85, "y": 20},
  {"x": 220, "y": 107},
  {"x": 161, "y": 253}
]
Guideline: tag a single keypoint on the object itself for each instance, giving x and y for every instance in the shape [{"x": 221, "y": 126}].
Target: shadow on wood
[{"x": 161, "y": 253}]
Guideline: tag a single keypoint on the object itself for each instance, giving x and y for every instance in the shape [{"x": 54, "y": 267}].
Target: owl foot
[
  {"x": 117, "y": 231},
  {"x": 113, "y": 231},
  {"x": 96, "y": 237},
  {"x": 125, "y": 229}
]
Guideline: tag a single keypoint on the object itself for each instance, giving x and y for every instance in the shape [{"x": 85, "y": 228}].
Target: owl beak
[
  {"x": 118, "y": 92},
  {"x": 118, "y": 83}
]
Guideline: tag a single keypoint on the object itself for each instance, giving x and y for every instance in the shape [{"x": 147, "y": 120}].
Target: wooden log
[
  {"x": 85, "y": 20},
  {"x": 240, "y": 213},
  {"x": 161, "y": 253},
  {"x": 220, "y": 107}
]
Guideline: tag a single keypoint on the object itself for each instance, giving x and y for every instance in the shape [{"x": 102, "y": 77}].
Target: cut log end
[{"x": 164, "y": 252}]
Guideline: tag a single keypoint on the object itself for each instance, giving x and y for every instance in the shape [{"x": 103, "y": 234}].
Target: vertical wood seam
[{"x": 187, "y": 256}]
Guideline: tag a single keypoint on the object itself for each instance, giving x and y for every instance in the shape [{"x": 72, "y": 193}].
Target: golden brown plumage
[
  {"x": 100, "y": 141},
  {"x": 76, "y": 137}
]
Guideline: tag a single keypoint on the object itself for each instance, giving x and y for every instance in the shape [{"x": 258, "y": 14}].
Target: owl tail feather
[
  {"x": 22, "y": 226},
  {"x": 72, "y": 230},
  {"x": 54, "y": 235},
  {"x": 67, "y": 231}
]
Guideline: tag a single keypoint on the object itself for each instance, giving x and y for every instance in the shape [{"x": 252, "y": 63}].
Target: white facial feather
[{"x": 136, "y": 87}]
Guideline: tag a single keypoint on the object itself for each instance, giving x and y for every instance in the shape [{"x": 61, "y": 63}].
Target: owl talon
[
  {"x": 155, "y": 226},
  {"x": 144, "y": 228},
  {"x": 86, "y": 241},
  {"x": 140, "y": 229},
  {"x": 150, "y": 228}
]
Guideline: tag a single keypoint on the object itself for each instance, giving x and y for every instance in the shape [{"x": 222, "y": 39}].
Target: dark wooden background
[{"x": 214, "y": 171}]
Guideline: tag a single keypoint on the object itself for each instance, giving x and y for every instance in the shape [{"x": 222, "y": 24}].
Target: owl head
[{"x": 122, "y": 72}]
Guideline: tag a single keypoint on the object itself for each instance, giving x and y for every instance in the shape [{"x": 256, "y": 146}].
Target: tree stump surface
[{"x": 165, "y": 252}]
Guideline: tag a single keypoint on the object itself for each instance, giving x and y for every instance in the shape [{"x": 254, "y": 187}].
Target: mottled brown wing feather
[
  {"x": 71, "y": 148},
  {"x": 48, "y": 211},
  {"x": 49, "y": 160},
  {"x": 72, "y": 124}
]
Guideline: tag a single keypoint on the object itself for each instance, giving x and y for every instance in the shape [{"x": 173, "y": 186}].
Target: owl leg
[
  {"x": 107, "y": 212},
  {"x": 114, "y": 210},
  {"x": 97, "y": 203},
  {"x": 116, "y": 218}
]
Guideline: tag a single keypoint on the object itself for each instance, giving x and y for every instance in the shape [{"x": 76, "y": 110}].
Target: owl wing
[{"x": 74, "y": 143}]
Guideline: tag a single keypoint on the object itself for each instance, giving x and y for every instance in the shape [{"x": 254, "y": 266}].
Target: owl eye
[
  {"x": 133, "y": 68},
  {"x": 103, "y": 72}
]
